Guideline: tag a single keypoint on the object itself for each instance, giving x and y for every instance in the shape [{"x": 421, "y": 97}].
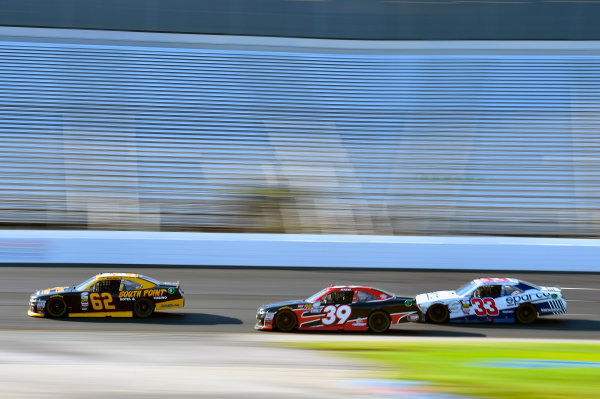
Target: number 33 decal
[
  {"x": 342, "y": 313},
  {"x": 484, "y": 306}
]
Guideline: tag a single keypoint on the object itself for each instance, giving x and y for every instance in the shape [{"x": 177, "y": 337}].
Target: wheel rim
[
  {"x": 285, "y": 321},
  {"x": 143, "y": 308},
  {"x": 378, "y": 322},
  {"x": 56, "y": 307},
  {"x": 526, "y": 315},
  {"x": 437, "y": 314}
]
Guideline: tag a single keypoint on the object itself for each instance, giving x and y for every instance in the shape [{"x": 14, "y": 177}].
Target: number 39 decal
[
  {"x": 341, "y": 314},
  {"x": 485, "y": 306}
]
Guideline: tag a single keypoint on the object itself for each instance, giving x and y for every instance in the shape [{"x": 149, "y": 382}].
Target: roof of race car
[
  {"x": 353, "y": 287},
  {"x": 118, "y": 275},
  {"x": 496, "y": 280}
]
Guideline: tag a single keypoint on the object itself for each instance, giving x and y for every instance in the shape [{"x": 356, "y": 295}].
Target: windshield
[
  {"x": 466, "y": 288},
  {"x": 316, "y": 296},
  {"x": 84, "y": 285}
]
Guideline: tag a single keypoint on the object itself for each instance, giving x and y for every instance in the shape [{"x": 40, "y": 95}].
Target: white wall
[{"x": 343, "y": 251}]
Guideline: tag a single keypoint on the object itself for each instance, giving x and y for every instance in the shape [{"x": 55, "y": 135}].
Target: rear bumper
[{"x": 173, "y": 304}]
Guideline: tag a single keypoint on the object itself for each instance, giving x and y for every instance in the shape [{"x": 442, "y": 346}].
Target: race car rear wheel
[
  {"x": 379, "y": 322},
  {"x": 143, "y": 308},
  {"x": 285, "y": 321},
  {"x": 526, "y": 313},
  {"x": 438, "y": 314},
  {"x": 56, "y": 307}
]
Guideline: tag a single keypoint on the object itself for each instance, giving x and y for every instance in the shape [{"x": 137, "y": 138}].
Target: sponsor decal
[
  {"x": 361, "y": 322},
  {"x": 408, "y": 302},
  {"x": 171, "y": 291},
  {"x": 41, "y": 305},
  {"x": 84, "y": 300},
  {"x": 153, "y": 292},
  {"x": 168, "y": 305},
  {"x": 517, "y": 299},
  {"x": 554, "y": 296},
  {"x": 269, "y": 316},
  {"x": 130, "y": 294},
  {"x": 126, "y": 299},
  {"x": 454, "y": 306},
  {"x": 160, "y": 297},
  {"x": 466, "y": 307}
]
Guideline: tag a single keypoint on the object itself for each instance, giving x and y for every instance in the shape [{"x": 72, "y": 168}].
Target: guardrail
[{"x": 298, "y": 250}]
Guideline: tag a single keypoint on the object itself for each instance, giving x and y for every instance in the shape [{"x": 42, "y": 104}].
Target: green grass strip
[{"x": 484, "y": 369}]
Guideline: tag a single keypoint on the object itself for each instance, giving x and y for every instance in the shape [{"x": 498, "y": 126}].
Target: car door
[
  {"x": 484, "y": 302},
  {"x": 104, "y": 296},
  {"x": 337, "y": 309}
]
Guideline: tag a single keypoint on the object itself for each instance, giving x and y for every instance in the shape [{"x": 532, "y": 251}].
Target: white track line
[{"x": 578, "y": 288}]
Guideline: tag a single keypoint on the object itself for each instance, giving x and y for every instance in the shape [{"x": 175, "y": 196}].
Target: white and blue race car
[{"x": 498, "y": 300}]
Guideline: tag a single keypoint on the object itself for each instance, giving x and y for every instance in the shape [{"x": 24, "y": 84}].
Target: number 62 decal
[
  {"x": 340, "y": 314},
  {"x": 106, "y": 303}
]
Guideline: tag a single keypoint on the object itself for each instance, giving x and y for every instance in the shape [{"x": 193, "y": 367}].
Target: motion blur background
[{"x": 259, "y": 120}]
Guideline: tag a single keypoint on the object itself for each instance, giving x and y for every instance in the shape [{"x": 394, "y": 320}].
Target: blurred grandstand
[{"x": 148, "y": 131}]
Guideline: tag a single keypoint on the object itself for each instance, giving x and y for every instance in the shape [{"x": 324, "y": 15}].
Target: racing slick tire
[
  {"x": 286, "y": 321},
  {"x": 526, "y": 314},
  {"x": 379, "y": 322},
  {"x": 143, "y": 308},
  {"x": 56, "y": 307},
  {"x": 438, "y": 314}
]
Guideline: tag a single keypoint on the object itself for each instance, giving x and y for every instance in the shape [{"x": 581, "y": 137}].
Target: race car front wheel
[
  {"x": 56, "y": 307},
  {"x": 379, "y": 322},
  {"x": 526, "y": 313},
  {"x": 285, "y": 321},
  {"x": 438, "y": 314},
  {"x": 143, "y": 308}
]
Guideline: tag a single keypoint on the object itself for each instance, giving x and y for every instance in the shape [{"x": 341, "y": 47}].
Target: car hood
[
  {"x": 55, "y": 290},
  {"x": 436, "y": 296},
  {"x": 277, "y": 305}
]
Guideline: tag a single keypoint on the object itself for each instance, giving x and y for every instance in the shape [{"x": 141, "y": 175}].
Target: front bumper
[
  {"x": 264, "y": 321},
  {"x": 34, "y": 314},
  {"x": 36, "y": 307}
]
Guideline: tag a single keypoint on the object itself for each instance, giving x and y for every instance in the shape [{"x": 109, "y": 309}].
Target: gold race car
[{"x": 107, "y": 295}]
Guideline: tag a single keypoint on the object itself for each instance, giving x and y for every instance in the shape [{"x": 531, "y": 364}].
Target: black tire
[
  {"x": 56, "y": 307},
  {"x": 438, "y": 314},
  {"x": 285, "y": 321},
  {"x": 143, "y": 308},
  {"x": 526, "y": 314},
  {"x": 379, "y": 322}
]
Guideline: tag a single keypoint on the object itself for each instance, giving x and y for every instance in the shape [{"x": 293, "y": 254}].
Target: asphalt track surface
[
  {"x": 225, "y": 300},
  {"x": 210, "y": 349}
]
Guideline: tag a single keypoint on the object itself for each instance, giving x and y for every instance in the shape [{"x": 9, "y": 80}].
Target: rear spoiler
[{"x": 169, "y": 283}]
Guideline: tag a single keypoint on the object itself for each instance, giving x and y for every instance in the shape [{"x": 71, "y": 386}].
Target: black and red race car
[{"x": 342, "y": 307}]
